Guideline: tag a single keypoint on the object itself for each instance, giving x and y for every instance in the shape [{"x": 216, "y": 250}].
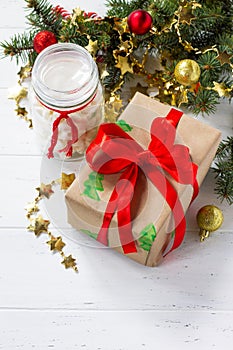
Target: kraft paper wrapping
[{"x": 148, "y": 205}]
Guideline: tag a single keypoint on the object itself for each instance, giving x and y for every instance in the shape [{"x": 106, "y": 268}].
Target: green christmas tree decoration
[
  {"x": 147, "y": 237},
  {"x": 92, "y": 185},
  {"x": 123, "y": 125},
  {"x": 89, "y": 233}
]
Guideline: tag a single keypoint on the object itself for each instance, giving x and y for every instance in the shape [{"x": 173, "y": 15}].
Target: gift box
[{"x": 139, "y": 178}]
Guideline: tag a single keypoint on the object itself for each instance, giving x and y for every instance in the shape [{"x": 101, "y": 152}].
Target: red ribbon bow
[{"x": 114, "y": 151}]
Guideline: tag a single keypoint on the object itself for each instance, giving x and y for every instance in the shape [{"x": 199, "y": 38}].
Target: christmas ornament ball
[
  {"x": 187, "y": 72},
  {"x": 43, "y": 39},
  {"x": 209, "y": 219},
  {"x": 139, "y": 22}
]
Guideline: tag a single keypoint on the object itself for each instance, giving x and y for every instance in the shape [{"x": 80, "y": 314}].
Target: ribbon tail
[
  {"x": 109, "y": 212},
  {"x": 124, "y": 219},
  {"x": 170, "y": 195},
  {"x": 120, "y": 201},
  {"x": 103, "y": 236},
  {"x": 74, "y": 133},
  {"x": 179, "y": 235},
  {"x": 195, "y": 183},
  {"x": 54, "y": 137},
  {"x": 174, "y": 116},
  {"x": 53, "y": 143},
  {"x": 125, "y": 232}
]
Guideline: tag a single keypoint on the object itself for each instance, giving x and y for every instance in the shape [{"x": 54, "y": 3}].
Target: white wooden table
[{"x": 113, "y": 303}]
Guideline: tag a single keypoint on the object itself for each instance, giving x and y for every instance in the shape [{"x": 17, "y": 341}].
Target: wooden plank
[
  {"x": 19, "y": 177},
  {"x": 196, "y": 277},
  {"x": 119, "y": 330},
  {"x": 15, "y": 136}
]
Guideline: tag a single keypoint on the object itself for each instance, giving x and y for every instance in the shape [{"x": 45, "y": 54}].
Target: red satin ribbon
[
  {"x": 114, "y": 151},
  {"x": 70, "y": 123}
]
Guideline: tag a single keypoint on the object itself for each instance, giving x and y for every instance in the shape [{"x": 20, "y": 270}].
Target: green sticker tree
[
  {"x": 147, "y": 237},
  {"x": 93, "y": 185},
  {"x": 123, "y": 125}
]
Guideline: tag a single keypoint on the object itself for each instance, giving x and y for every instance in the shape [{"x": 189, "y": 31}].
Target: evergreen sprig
[
  {"x": 204, "y": 101},
  {"x": 42, "y": 16},
  {"x": 224, "y": 170},
  {"x": 211, "y": 68},
  {"x": 122, "y": 8},
  {"x": 20, "y": 46}
]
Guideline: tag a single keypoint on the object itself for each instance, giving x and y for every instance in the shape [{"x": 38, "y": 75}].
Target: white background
[{"x": 113, "y": 303}]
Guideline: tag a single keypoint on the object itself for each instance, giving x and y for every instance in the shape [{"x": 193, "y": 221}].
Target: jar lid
[{"x": 64, "y": 75}]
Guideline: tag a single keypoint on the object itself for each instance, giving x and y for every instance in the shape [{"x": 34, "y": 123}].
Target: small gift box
[{"x": 140, "y": 176}]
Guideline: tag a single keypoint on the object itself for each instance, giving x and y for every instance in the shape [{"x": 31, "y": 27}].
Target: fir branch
[
  {"x": 211, "y": 68},
  {"x": 224, "y": 170},
  {"x": 203, "y": 102},
  {"x": 122, "y": 8},
  {"x": 165, "y": 7},
  {"x": 112, "y": 79},
  {"x": 72, "y": 35},
  {"x": 19, "y": 46},
  {"x": 42, "y": 16},
  {"x": 225, "y": 149}
]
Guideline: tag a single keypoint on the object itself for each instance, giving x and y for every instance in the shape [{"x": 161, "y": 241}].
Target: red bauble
[
  {"x": 43, "y": 39},
  {"x": 140, "y": 22}
]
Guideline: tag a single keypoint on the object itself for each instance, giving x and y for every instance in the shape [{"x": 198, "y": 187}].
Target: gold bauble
[
  {"x": 209, "y": 219},
  {"x": 187, "y": 72}
]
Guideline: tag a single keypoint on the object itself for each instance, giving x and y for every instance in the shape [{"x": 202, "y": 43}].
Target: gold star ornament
[
  {"x": 45, "y": 190},
  {"x": 92, "y": 46},
  {"x": 32, "y": 208},
  {"x": 66, "y": 180},
  {"x": 124, "y": 65},
  {"x": 24, "y": 72},
  {"x": 112, "y": 108},
  {"x": 69, "y": 261},
  {"x": 17, "y": 93},
  {"x": 56, "y": 243},
  {"x": 21, "y": 111},
  {"x": 38, "y": 225}
]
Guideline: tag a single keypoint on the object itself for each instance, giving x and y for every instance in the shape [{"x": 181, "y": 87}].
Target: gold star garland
[
  {"x": 20, "y": 92},
  {"x": 39, "y": 225}
]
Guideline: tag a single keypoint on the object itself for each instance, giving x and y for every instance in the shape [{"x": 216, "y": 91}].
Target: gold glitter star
[
  {"x": 121, "y": 25},
  {"x": 221, "y": 89},
  {"x": 103, "y": 73},
  {"x": 69, "y": 262},
  {"x": 38, "y": 225},
  {"x": 45, "y": 190},
  {"x": 185, "y": 12},
  {"x": 124, "y": 65},
  {"x": 29, "y": 122},
  {"x": 113, "y": 107},
  {"x": 224, "y": 57},
  {"x": 66, "y": 180},
  {"x": 32, "y": 208},
  {"x": 77, "y": 12},
  {"x": 17, "y": 93},
  {"x": 56, "y": 243},
  {"x": 92, "y": 46},
  {"x": 21, "y": 111},
  {"x": 24, "y": 72}
]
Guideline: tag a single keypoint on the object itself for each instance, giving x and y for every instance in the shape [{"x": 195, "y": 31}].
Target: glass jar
[{"x": 66, "y": 100}]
